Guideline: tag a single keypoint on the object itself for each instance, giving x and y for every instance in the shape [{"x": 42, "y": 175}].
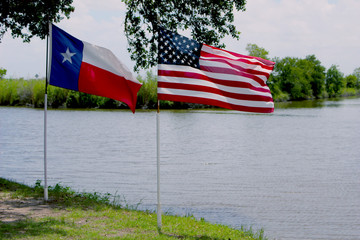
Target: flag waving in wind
[
  {"x": 189, "y": 71},
  {"x": 81, "y": 66}
]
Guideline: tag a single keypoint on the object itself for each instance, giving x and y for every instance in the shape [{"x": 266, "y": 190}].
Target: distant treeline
[
  {"x": 292, "y": 79},
  {"x": 20, "y": 92},
  {"x": 302, "y": 79}
]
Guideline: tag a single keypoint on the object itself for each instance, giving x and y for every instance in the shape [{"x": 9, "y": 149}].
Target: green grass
[{"x": 95, "y": 216}]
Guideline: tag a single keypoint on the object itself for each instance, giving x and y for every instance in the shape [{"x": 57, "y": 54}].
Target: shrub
[
  {"x": 57, "y": 96},
  {"x": 9, "y": 92},
  {"x": 38, "y": 88}
]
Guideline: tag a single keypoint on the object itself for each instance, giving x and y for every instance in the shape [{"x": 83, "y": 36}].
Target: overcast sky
[{"x": 296, "y": 28}]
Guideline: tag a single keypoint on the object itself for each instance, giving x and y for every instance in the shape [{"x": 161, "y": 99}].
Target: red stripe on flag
[
  {"x": 213, "y": 57},
  {"x": 97, "y": 81},
  {"x": 262, "y": 62},
  {"x": 230, "y": 63},
  {"x": 213, "y": 102},
  {"x": 229, "y": 83},
  {"x": 238, "y": 96},
  {"x": 233, "y": 72}
]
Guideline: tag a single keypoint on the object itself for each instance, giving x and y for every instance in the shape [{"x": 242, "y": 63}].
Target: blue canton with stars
[{"x": 178, "y": 50}]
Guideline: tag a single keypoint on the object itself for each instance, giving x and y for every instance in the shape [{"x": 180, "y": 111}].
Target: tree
[
  {"x": 147, "y": 97},
  {"x": 256, "y": 51},
  {"x": 208, "y": 20},
  {"x": 299, "y": 78},
  {"x": 316, "y": 75},
  {"x": 351, "y": 81},
  {"x": 334, "y": 81},
  {"x": 30, "y": 18},
  {"x": 357, "y": 75},
  {"x": 2, "y": 72}
]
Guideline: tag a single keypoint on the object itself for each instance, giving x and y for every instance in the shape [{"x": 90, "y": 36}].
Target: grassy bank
[
  {"x": 76, "y": 215},
  {"x": 20, "y": 92}
]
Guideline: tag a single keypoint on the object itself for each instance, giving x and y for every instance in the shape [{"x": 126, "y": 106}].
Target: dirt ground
[{"x": 12, "y": 210}]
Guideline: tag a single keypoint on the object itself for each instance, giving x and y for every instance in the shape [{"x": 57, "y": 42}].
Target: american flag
[{"x": 189, "y": 71}]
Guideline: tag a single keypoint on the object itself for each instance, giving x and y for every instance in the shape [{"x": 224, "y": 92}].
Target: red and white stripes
[{"x": 225, "y": 79}]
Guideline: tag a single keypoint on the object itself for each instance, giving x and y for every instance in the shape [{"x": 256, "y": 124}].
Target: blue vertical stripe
[{"x": 64, "y": 73}]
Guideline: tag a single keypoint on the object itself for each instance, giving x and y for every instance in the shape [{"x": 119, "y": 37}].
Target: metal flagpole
[
  {"x": 158, "y": 212},
  {"x": 45, "y": 164},
  {"x": 45, "y": 118}
]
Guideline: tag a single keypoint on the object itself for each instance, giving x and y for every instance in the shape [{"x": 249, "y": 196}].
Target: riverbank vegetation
[
  {"x": 76, "y": 215},
  {"x": 21, "y": 92},
  {"x": 293, "y": 79}
]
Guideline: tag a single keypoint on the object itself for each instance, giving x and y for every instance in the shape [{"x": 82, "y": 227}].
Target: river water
[{"x": 295, "y": 173}]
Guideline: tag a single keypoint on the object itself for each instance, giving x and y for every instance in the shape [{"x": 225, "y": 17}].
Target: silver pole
[
  {"x": 45, "y": 115},
  {"x": 158, "y": 169},
  {"x": 45, "y": 162}
]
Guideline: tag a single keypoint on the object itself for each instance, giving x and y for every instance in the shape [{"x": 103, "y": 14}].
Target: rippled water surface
[{"x": 295, "y": 173}]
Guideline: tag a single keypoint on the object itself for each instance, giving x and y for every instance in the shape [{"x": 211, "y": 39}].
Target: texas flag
[{"x": 84, "y": 67}]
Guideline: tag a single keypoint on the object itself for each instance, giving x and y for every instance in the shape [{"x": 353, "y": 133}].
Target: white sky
[{"x": 295, "y": 28}]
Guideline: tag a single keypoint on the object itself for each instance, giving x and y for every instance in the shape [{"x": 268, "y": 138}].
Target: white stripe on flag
[
  {"x": 105, "y": 59},
  {"x": 206, "y": 95},
  {"x": 227, "y": 54},
  {"x": 219, "y": 76},
  {"x": 207, "y": 61},
  {"x": 199, "y": 82},
  {"x": 227, "y": 66}
]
